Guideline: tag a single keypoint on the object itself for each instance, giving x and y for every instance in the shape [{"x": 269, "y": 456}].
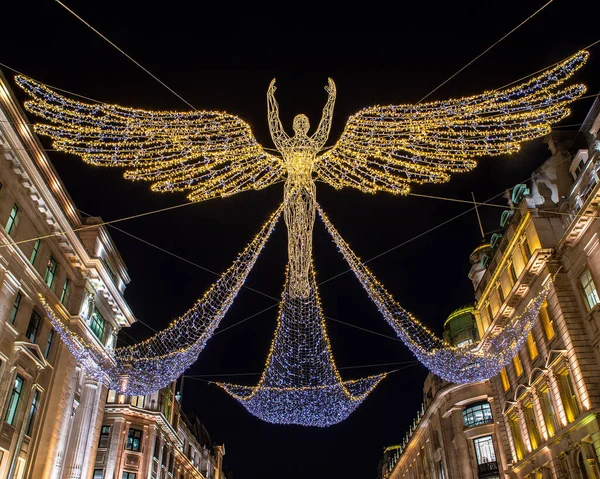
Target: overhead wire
[{"x": 487, "y": 50}]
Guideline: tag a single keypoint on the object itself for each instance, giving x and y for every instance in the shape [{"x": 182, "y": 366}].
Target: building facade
[
  {"x": 54, "y": 416},
  {"x": 545, "y": 403},
  {"x": 455, "y": 434},
  {"x": 150, "y": 437}
]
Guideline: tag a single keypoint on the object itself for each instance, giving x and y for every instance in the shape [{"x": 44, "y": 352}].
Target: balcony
[{"x": 487, "y": 469}]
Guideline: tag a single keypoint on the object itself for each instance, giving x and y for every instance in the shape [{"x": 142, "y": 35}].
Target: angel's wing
[
  {"x": 207, "y": 153},
  {"x": 385, "y": 148}
]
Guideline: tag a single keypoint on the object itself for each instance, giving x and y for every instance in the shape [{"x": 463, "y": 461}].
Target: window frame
[
  {"x": 33, "y": 327},
  {"x": 66, "y": 292},
  {"x": 33, "y": 410},
  {"x": 49, "y": 343},
  {"x": 35, "y": 251},
  {"x": 592, "y": 295},
  {"x": 470, "y": 410},
  {"x": 12, "y": 403},
  {"x": 489, "y": 439},
  {"x": 96, "y": 326},
  {"x": 134, "y": 441},
  {"x": 50, "y": 274},
  {"x": 15, "y": 307},
  {"x": 12, "y": 220}
]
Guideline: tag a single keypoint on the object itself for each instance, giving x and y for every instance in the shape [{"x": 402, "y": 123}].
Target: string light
[
  {"x": 382, "y": 148},
  {"x": 301, "y": 383},
  {"x": 457, "y": 364},
  {"x": 156, "y": 362}
]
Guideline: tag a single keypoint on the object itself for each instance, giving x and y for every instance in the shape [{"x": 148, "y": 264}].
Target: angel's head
[{"x": 301, "y": 124}]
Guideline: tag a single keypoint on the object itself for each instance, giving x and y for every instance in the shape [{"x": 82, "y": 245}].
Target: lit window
[
  {"x": 501, "y": 293},
  {"x": 66, "y": 292},
  {"x": 589, "y": 289},
  {"x": 568, "y": 395},
  {"x": 104, "y": 433},
  {"x": 34, "y": 253},
  {"x": 548, "y": 410},
  {"x": 13, "y": 402},
  {"x": 532, "y": 427},
  {"x": 50, "y": 272},
  {"x": 547, "y": 321},
  {"x": 525, "y": 248},
  {"x": 515, "y": 430},
  {"x": 49, "y": 343},
  {"x": 504, "y": 378},
  {"x": 513, "y": 272},
  {"x": 34, "y": 325},
  {"x": 532, "y": 346},
  {"x": 137, "y": 401},
  {"x": 518, "y": 365},
  {"x": 134, "y": 440},
  {"x": 97, "y": 324},
  {"x": 12, "y": 219},
  {"x": 33, "y": 412},
  {"x": 484, "y": 450},
  {"x": 15, "y": 308},
  {"x": 477, "y": 414}
]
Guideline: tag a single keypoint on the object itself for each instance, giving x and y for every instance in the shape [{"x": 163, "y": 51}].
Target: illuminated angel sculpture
[{"x": 382, "y": 148}]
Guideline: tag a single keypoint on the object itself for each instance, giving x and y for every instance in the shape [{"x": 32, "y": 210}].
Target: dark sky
[{"x": 222, "y": 58}]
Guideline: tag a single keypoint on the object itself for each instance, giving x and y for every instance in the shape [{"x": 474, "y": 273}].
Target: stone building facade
[
  {"x": 150, "y": 437},
  {"x": 54, "y": 416},
  {"x": 454, "y": 434},
  {"x": 545, "y": 403}
]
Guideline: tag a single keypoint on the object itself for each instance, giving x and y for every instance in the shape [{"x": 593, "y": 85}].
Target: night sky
[{"x": 222, "y": 58}]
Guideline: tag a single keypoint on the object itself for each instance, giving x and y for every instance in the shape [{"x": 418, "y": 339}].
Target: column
[
  {"x": 115, "y": 447},
  {"x": 462, "y": 446},
  {"x": 76, "y": 453},
  {"x": 150, "y": 434}
]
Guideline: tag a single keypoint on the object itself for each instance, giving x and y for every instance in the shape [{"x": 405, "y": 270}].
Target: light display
[
  {"x": 460, "y": 364},
  {"x": 156, "y": 362},
  {"x": 300, "y": 383},
  {"x": 382, "y": 148}
]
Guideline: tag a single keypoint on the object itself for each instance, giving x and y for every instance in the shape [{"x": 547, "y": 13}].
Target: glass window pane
[
  {"x": 484, "y": 450},
  {"x": 13, "y": 402}
]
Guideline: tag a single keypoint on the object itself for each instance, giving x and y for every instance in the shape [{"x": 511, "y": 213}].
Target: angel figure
[{"x": 382, "y": 148}]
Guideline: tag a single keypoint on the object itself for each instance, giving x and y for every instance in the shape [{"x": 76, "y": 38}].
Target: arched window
[{"x": 477, "y": 414}]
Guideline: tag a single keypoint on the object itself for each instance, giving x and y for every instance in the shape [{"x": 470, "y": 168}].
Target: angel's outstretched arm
[
  {"x": 322, "y": 133},
  {"x": 278, "y": 134}
]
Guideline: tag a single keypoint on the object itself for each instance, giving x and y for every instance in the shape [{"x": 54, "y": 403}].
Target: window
[
  {"x": 34, "y": 253},
  {"x": 504, "y": 379},
  {"x": 515, "y": 429},
  {"x": 34, "y": 325},
  {"x": 500, "y": 293},
  {"x": 525, "y": 249},
  {"x": 156, "y": 447},
  {"x": 513, "y": 272},
  {"x": 532, "y": 346},
  {"x": 532, "y": 428},
  {"x": 518, "y": 365},
  {"x": 166, "y": 402},
  {"x": 13, "y": 402},
  {"x": 66, "y": 292},
  {"x": 49, "y": 343},
  {"x": 50, "y": 272},
  {"x": 97, "y": 324},
  {"x": 134, "y": 440},
  {"x": 488, "y": 308},
  {"x": 165, "y": 453},
  {"x": 15, "y": 308},
  {"x": 484, "y": 450},
  {"x": 104, "y": 434},
  {"x": 98, "y": 474},
  {"x": 547, "y": 322},
  {"x": 589, "y": 289},
  {"x": 128, "y": 475},
  {"x": 548, "y": 410},
  {"x": 12, "y": 219},
  {"x": 442, "y": 472},
  {"x": 477, "y": 414},
  {"x": 137, "y": 401},
  {"x": 568, "y": 395},
  {"x": 33, "y": 412}
]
